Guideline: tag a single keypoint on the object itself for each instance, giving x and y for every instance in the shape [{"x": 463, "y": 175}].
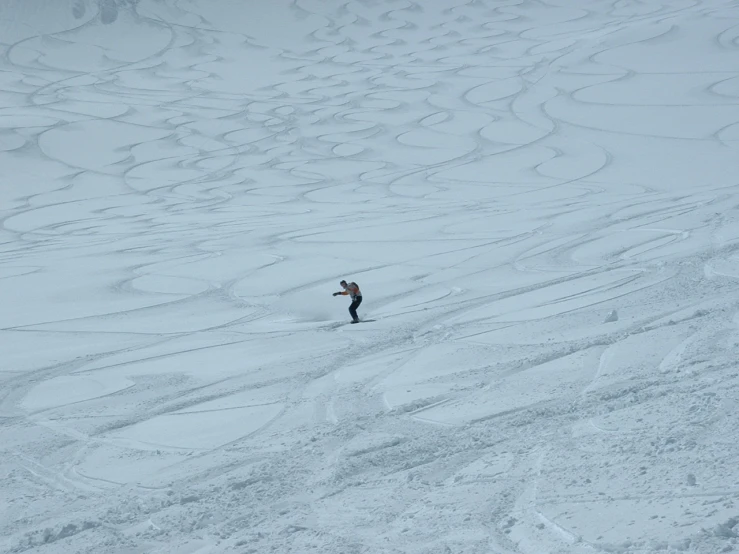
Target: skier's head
[{"x": 343, "y": 283}]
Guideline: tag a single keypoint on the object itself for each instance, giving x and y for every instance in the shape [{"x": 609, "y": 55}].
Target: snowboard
[{"x": 335, "y": 325}]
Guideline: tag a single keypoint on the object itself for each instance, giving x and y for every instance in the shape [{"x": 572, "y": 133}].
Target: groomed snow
[{"x": 538, "y": 199}]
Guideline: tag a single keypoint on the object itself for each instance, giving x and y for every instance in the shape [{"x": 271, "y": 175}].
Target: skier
[{"x": 356, "y": 295}]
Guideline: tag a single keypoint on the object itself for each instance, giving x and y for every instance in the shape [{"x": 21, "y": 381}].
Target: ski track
[{"x": 498, "y": 177}]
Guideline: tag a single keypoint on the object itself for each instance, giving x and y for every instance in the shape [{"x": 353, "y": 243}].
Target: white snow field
[{"x": 538, "y": 199}]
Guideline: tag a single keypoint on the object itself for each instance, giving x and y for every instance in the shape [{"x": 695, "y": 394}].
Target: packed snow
[{"x": 537, "y": 198}]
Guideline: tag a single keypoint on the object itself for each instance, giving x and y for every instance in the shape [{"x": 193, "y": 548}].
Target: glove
[{"x": 337, "y": 293}]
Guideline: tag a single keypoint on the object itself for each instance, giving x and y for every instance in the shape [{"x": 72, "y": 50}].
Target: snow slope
[{"x": 538, "y": 199}]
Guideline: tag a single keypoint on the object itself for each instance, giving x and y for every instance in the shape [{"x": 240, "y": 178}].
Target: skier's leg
[{"x": 353, "y": 308}]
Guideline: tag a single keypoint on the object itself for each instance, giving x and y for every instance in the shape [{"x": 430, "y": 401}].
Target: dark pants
[{"x": 353, "y": 308}]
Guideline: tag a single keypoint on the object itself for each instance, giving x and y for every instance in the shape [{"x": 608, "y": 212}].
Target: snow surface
[{"x": 537, "y": 198}]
